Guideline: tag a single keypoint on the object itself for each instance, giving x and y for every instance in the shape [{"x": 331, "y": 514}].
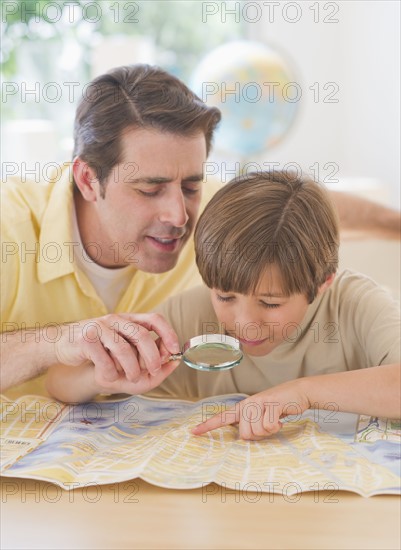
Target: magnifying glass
[{"x": 210, "y": 352}]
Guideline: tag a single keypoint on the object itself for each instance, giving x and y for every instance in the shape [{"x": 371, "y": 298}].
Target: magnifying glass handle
[{"x": 175, "y": 356}]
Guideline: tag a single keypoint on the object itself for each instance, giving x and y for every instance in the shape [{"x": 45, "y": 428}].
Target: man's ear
[
  {"x": 326, "y": 284},
  {"x": 86, "y": 180}
]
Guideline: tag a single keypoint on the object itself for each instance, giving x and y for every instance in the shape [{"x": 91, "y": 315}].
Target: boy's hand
[
  {"x": 144, "y": 383},
  {"x": 121, "y": 348},
  {"x": 259, "y": 415}
]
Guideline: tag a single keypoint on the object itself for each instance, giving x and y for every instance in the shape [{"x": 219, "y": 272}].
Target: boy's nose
[{"x": 249, "y": 324}]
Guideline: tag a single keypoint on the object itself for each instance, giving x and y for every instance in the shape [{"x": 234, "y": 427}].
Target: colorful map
[
  {"x": 371, "y": 429},
  {"x": 112, "y": 441}
]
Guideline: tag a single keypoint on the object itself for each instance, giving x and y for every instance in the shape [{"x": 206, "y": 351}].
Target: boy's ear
[
  {"x": 326, "y": 284},
  {"x": 86, "y": 180}
]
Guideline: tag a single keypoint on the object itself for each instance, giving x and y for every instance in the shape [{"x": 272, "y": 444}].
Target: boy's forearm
[
  {"x": 72, "y": 384},
  {"x": 375, "y": 391},
  {"x": 25, "y": 354}
]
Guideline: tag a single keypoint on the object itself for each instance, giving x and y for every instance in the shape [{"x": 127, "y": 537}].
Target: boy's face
[{"x": 263, "y": 320}]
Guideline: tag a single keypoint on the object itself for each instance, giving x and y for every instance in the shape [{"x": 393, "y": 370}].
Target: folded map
[{"x": 117, "y": 440}]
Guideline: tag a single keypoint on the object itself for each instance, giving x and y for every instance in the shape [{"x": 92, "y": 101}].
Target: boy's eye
[
  {"x": 224, "y": 298},
  {"x": 269, "y": 306}
]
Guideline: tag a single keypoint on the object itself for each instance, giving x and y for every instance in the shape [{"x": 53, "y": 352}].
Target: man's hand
[
  {"x": 120, "y": 346},
  {"x": 259, "y": 415},
  {"x": 112, "y": 354}
]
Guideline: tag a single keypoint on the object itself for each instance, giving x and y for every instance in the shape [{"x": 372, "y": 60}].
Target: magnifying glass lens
[{"x": 212, "y": 352}]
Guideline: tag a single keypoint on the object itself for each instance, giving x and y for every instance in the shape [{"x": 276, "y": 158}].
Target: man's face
[
  {"x": 151, "y": 200},
  {"x": 263, "y": 320}
]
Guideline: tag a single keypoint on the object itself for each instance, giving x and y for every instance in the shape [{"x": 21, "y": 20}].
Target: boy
[{"x": 267, "y": 248}]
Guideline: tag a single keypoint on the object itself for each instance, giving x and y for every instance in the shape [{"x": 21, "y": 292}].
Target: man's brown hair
[
  {"x": 135, "y": 96},
  {"x": 264, "y": 219}
]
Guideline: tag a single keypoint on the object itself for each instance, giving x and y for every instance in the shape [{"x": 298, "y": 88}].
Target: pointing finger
[{"x": 225, "y": 418}]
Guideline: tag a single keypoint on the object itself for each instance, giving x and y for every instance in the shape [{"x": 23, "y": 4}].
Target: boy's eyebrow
[
  {"x": 272, "y": 295},
  {"x": 195, "y": 178}
]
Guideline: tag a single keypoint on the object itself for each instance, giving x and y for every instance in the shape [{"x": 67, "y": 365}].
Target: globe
[{"x": 254, "y": 88}]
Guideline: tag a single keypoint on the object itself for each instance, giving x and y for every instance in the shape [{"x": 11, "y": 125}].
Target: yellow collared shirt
[{"x": 40, "y": 283}]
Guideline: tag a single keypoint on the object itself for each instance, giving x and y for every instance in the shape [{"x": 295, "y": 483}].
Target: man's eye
[
  {"x": 269, "y": 306},
  {"x": 189, "y": 191},
  {"x": 148, "y": 193}
]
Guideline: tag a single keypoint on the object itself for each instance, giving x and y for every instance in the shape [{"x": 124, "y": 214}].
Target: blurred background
[{"x": 340, "y": 119}]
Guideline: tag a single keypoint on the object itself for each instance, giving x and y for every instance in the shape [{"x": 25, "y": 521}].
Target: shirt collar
[{"x": 55, "y": 240}]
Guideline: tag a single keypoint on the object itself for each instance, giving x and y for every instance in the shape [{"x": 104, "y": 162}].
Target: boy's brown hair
[
  {"x": 264, "y": 219},
  {"x": 136, "y": 96}
]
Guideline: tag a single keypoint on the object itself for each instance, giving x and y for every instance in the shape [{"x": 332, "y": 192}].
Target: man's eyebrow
[
  {"x": 158, "y": 179},
  {"x": 195, "y": 178}
]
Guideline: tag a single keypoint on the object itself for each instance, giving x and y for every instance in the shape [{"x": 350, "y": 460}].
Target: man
[
  {"x": 112, "y": 236},
  {"x": 114, "y": 241}
]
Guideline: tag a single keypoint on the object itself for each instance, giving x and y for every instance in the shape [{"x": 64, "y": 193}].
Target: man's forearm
[
  {"x": 366, "y": 217},
  {"x": 24, "y": 355},
  {"x": 375, "y": 391}
]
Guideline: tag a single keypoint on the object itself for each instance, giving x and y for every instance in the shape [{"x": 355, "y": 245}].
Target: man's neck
[{"x": 88, "y": 226}]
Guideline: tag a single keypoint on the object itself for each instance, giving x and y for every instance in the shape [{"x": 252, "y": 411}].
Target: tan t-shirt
[{"x": 355, "y": 324}]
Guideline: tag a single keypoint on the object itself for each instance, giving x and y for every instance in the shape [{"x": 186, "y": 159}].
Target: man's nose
[{"x": 173, "y": 209}]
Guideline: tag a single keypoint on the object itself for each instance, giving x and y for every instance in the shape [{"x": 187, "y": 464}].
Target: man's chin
[
  {"x": 153, "y": 257},
  {"x": 157, "y": 265}
]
